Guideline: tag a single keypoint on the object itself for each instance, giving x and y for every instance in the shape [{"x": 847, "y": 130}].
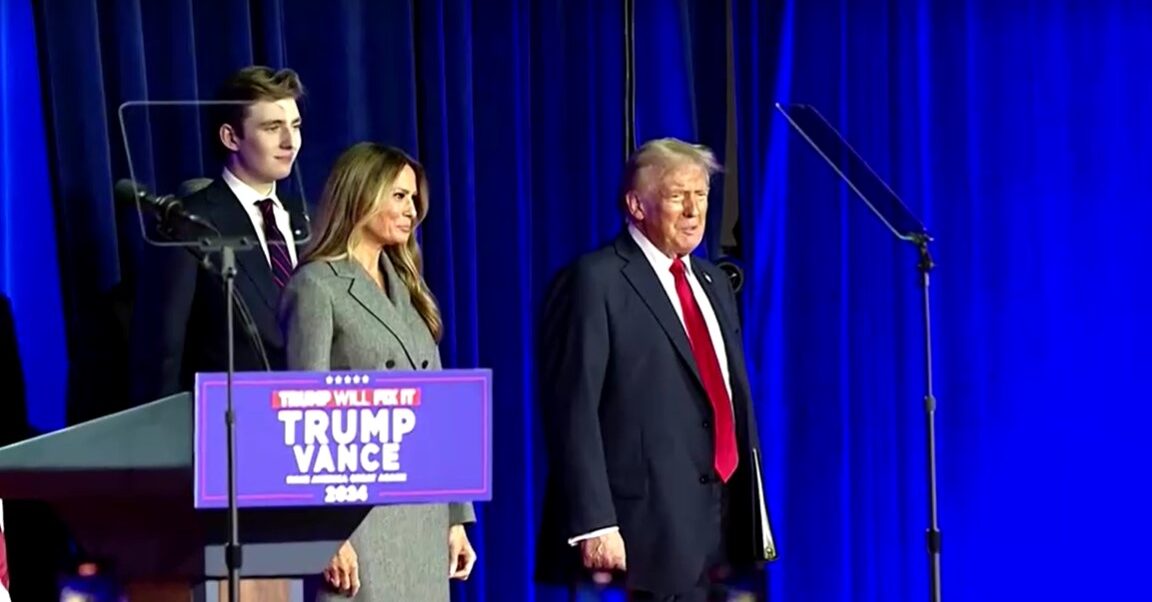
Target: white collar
[
  {"x": 247, "y": 194},
  {"x": 660, "y": 262}
]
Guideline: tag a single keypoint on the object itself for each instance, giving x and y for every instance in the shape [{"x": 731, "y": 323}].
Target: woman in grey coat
[{"x": 359, "y": 301}]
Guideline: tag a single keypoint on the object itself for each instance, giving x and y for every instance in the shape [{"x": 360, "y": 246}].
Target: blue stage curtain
[
  {"x": 28, "y": 251},
  {"x": 1017, "y": 131}
]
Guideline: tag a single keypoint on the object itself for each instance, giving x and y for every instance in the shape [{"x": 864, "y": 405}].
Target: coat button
[
  {"x": 706, "y": 424},
  {"x": 390, "y": 364},
  {"x": 704, "y": 479},
  {"x": 424, "y": 364}
]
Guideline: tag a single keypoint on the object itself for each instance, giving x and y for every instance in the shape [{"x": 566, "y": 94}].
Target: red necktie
[{"x": 725, "y": 458}]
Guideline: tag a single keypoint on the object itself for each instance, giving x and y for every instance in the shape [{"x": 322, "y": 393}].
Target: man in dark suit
[
  {"x": 179, "y": 320},
  {"x": 654, "y": 458}
]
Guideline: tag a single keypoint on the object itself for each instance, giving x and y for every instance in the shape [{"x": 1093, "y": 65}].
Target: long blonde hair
[{"x": 350, "y": 199}]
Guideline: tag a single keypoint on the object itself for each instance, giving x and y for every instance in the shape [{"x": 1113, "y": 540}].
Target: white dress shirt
[
  {"x": 248, "y": 197},
  {"x": 662, "y": 265}
]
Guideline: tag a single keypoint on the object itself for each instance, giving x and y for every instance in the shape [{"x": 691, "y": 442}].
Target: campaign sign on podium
[{"x": 344, "y": 438}]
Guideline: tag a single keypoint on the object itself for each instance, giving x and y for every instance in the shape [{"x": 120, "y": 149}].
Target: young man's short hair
[{"x": 250, "y": 85}]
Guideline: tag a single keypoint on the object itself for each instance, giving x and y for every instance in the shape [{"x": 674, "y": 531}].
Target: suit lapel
[
  {"x": 727, "y": 326},
  {"x": 639, "y": 274},
  {"x": 254, "y": 265},
  {"x": 368, "y": 294},
  {"x": 232, "y": 220},
  {"x": 734, "y": 348}
]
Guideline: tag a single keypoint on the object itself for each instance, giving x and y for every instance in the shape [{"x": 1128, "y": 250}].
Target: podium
[{"x": 144, "y": 489}]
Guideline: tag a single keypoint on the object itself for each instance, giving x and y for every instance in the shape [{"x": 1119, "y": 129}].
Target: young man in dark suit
[
  {"x": 654, "y": 459},
  {"x": 179, "y": 320}
]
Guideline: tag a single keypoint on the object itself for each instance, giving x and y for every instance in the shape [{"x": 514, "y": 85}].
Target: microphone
[{"x": 167, "y": 208}]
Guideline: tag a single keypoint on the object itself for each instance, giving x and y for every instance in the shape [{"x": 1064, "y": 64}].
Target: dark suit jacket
[
  {"x": 627, "y": 424},
  {"x": 179, "y": 325}
]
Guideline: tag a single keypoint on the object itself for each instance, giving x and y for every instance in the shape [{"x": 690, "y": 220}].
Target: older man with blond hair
[{"x": 654, "y": 457}]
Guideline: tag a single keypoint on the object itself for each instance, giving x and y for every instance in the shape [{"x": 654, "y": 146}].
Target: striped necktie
[{"x": 281, "y": 261}]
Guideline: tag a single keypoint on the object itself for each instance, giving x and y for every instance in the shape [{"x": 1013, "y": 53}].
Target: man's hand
[
  {"x": 343, "y": 571},
  {"x": 604, "y": 552},
  {"x": 461, "y": 556}
]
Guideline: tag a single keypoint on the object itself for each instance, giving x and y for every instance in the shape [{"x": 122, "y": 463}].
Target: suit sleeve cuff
[
  {"x": 461, "y": 514},
  {"x": 597, "y": 533}
]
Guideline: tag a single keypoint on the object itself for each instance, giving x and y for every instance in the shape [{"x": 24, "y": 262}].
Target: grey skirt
[{"x": 403, "y": 556}]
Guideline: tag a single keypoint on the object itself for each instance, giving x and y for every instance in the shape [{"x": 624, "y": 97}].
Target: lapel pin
[{"x": 707, "y": 278}]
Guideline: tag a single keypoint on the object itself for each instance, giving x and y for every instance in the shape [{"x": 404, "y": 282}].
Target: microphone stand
[
  {"x": 233, "y": 553},
  {"x": 925, "y": 266},
  {"x": 883, "y": 201},
  {"x": 227, "y": 246},
  {"x": 233, "y": 550},
  {"x": 172, "y": 223}
]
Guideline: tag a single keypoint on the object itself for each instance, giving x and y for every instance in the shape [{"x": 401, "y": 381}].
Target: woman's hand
[
  {"x": 461, "y": 556},
  {"x": 343, "y": 571}
]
